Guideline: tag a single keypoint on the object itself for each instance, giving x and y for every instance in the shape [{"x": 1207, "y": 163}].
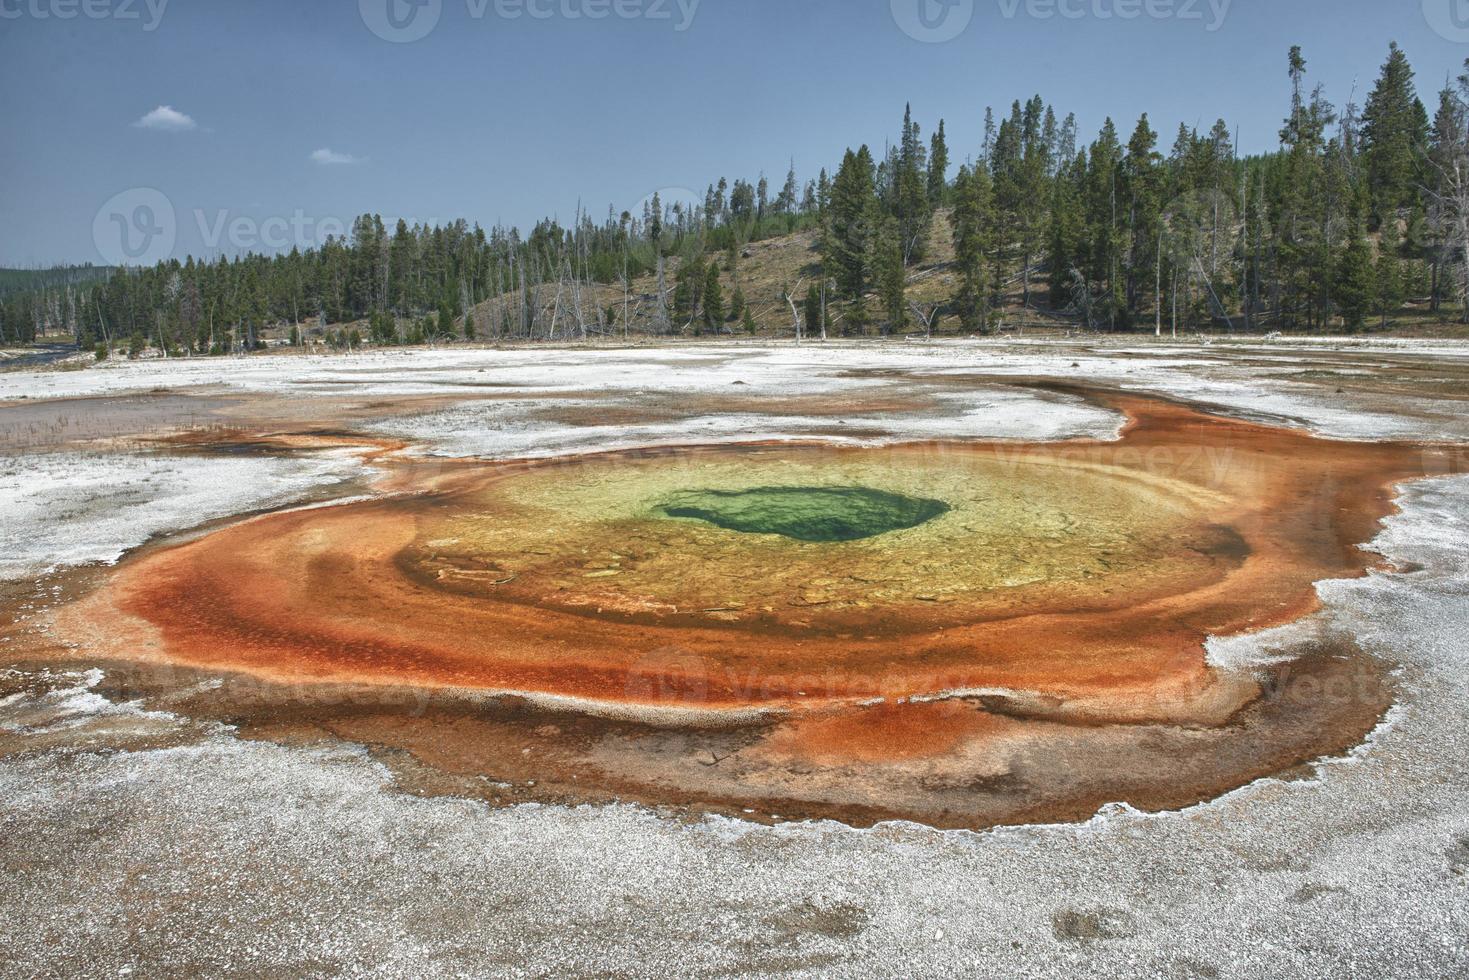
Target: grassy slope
[{"x": 765, "y": 271}]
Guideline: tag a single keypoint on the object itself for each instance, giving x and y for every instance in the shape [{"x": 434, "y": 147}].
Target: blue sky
[{"x": 498, "y": 118}]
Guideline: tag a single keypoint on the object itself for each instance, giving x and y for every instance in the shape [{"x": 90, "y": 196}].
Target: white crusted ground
[
  {"x": 501, "y": 429},
  {"x": 1216, "y": 373},
  {"x": 73, "y": 508},
  {"x": 231, "y": 857}
]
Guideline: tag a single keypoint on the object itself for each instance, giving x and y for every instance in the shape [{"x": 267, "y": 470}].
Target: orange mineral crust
[{"x": 1039, "y": 590}]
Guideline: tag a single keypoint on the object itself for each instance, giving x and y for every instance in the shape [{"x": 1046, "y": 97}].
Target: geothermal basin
[{"x": 956, "y": 632}]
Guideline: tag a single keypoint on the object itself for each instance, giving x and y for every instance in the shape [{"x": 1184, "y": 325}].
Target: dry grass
[{"x": 765, "y": 271}]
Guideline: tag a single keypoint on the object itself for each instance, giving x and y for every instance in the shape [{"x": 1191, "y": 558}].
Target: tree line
[{"x": 1360, "y": 212}]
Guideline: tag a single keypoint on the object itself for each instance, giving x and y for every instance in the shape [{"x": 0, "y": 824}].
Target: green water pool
[{"x": 815, "y": 514}]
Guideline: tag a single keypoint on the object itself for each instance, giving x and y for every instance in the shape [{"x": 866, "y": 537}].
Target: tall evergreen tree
[
  {"x": 891, "y": 275},
  {"x": 1142, "y": 178},
  {"x": 811, "y": 308},
  {"x": 786, "y": 203},
  {"x": 713, "y": 298},
  {"x": 910, "y": 192},
  {"x": 1394, "y": 137},
  {"x": 938, "y": 167},
  {"x": 972, "y": 221},
  {"x": 1304, "y": 221},
  {"x": 1066, "y": 234},
  {"x": 1104, "y": 205},
  {"x": 849, "y": 240},
  {"x": 1388, "y": 276},
  {"x": 1355, "y": 286}
]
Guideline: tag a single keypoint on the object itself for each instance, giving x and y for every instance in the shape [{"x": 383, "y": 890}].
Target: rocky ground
[{"x": 137, "y": 839}]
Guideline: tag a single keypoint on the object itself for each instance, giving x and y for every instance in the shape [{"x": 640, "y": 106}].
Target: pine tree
[
  {"x": 1304, "y": 220},
  {"x": 1035, "y": 169},
  {"x": 1006, "y": 159},
  {"x": 1065, "y": 234},
  {"x": 713, "y": 298},
  {"x": 811, "y": 310},
  {"x": 786, "y": 203},
  {"x": 891, "y": 275},
  {"x": 848, "y": 241},
  {"x": 1389, "y": 272},
  {"x": 938, "y": 167},
  {"x": 971, "y": 221},
  {"x": 1142, "y": 180},
  {"x": 1103, "y": 213},
  {"x": 380, "y": 328},
  {"x": 688, "y": 293},
  {"x": 910, "y": 192},
  {"x": 1355, "y": 285},
  {"x": 1394, "y": 137},
  {"x": 1051, "y": 142}
]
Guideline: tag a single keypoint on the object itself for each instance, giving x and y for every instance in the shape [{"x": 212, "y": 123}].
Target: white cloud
[
  {"x": 330, "y": 158},
  {"x": 167, "y": 119}
]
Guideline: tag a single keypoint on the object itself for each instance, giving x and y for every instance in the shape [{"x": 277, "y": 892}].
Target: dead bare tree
[
  {"x": 926, "y": 314},
  {"x": 1451, "y": 197},
  {"x": 795, "y": 313}
]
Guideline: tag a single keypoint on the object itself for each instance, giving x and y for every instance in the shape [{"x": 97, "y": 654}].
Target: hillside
[{"x": 765, "y": 271}]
